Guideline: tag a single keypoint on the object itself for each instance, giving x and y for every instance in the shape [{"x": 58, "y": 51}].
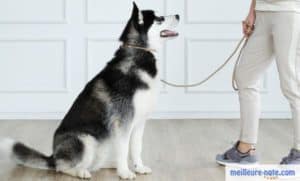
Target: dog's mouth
[{"x": 168, "y": 33}]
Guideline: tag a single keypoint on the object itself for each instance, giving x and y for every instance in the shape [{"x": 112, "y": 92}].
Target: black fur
[
  {"x": 24, "y": 154},
  {"x": 88, "y": 111},
  {"x": 136, "y": 33}
]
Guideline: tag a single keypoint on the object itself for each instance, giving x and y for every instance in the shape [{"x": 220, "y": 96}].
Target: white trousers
[{"x": 276, "y": 34}]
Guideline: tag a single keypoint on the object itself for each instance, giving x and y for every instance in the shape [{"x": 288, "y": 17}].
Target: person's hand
[{"x": 248, "y": 24}]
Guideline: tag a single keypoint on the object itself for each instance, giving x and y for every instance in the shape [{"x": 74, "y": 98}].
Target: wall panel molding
[
  {"x": 217, "y": 21},
  {"x": 64, "y": 89},
  {"x": 87, "y": 59},
  {"x": 103, "y": 21},
  {"x": 62, "y": 20},
  {"x": 183, "y": 115}
]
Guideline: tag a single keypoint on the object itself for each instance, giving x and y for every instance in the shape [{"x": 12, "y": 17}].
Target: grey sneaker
[
  {"x": 292, "y": 159},
  {"x": 233, "y": 157}
]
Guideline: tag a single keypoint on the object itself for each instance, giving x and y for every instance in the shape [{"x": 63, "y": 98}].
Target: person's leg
[
  {"x": 287, "y": 52},
  {"x": 255, "y": 59}
]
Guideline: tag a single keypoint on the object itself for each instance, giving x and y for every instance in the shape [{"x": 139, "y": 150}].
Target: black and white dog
[{"x": 108, "y": 117}]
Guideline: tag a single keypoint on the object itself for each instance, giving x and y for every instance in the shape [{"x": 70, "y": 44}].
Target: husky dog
[{"x": 108, "y": 117}]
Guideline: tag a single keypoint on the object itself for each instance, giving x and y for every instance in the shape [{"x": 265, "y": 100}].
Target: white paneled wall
[
  {"x": 49, "y": 49},
  {"x": 32, "y": 11}
]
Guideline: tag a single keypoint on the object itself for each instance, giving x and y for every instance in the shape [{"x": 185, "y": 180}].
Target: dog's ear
[
  {"x": 137, "y": 15},
  {"x": 133, "y": 25}
]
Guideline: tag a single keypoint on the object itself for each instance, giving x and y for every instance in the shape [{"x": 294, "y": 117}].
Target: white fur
[
  {"x": 154, "y": 38},
  {"x": 144, "y": 100},
  {"x": 6, "y": 153},
  {"x": 141, "y": 18},
  {"x": 121, "y": 141},
  {"x": 89, "y": 152},
  {"x": 6, "y": 145},
  {"x": 76, "y": 172},
  {"x": 105, "y": 156}
]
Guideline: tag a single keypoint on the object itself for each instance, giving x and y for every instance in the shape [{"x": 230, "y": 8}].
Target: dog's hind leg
[
  {"x": 74, "y": 155},
  {"x": 105, "y": 156}
]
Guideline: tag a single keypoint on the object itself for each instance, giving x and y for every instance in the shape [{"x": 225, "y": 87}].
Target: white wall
[{"x": 50, "y": 48}]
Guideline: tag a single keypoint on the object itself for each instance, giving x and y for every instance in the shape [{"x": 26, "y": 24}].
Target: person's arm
[{"x": 249, "y": 22}]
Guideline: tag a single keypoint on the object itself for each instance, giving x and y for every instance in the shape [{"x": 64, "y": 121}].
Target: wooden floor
[{"x": 176, "y": 150}]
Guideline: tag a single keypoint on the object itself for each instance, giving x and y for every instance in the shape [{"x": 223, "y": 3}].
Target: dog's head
[{"x": 147, "y": 29}]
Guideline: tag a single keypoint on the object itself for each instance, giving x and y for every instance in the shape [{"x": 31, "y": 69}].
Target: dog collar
[{"x": 138, "y": 47}]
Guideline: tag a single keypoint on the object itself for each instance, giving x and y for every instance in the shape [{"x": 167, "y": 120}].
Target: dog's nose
[{"x": 177, "y": 17}]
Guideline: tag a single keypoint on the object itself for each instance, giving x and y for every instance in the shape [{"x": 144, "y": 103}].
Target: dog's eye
[{"x": 158, "y": 22}]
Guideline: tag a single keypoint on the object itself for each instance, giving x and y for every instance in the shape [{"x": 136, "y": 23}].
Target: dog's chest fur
[
  {"x": 145, "y": 70},
  {"x": 144, "y": 99}
]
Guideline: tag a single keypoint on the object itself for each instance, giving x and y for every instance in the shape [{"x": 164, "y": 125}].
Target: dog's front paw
[
  {"x": 141, "y": 169},
  {"x": 126, "y": 175},
  {"x": 84, "y": 174},
  {"x": 81, "y": 173}
]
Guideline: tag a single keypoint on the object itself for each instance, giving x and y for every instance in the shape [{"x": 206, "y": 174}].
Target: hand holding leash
[
  {"x": 248, "y": 28},
  {"x": 248, "y": 24}
]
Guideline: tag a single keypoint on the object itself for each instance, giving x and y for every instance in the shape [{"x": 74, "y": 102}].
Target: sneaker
[
  {"x": 234, "y": 157},
  {"x": 292, "y": 159}
]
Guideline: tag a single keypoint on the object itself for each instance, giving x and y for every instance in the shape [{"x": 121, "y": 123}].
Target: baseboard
[
  {"x": 156, "y": 115},
  {"x": 215, "y": 115}
]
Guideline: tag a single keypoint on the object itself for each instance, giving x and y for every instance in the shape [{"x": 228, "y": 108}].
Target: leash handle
[{"x": 240, "y": 46}]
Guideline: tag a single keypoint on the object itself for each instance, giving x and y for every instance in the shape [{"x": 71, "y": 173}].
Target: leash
[
  {"x": 139, "y": 48},
  {"x": 239, "y": 49}
]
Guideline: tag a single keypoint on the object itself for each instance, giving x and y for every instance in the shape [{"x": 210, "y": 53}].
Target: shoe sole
[{"x": 236, "y": 164}]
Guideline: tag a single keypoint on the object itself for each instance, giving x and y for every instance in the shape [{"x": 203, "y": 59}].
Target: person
[{"x": 276, "y": 34}]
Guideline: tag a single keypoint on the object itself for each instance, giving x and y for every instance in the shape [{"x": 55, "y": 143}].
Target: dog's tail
[{"x": 23, "y": 155}]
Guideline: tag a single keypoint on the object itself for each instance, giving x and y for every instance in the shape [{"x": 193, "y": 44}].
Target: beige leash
[{"x": 239, "y": 48}]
